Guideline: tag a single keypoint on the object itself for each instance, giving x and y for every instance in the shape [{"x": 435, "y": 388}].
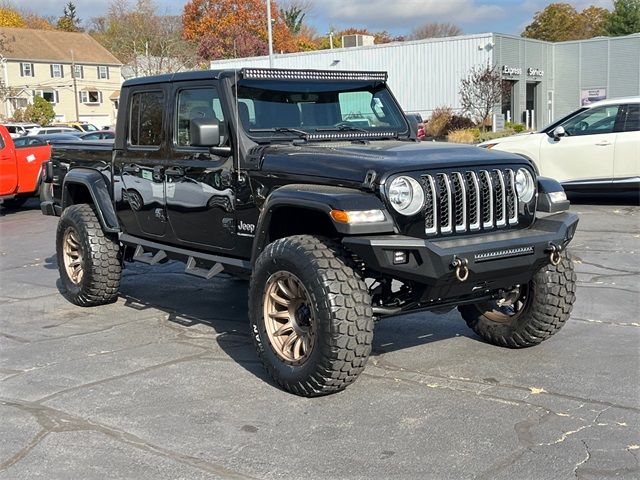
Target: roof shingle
[{"x": 53, "y": 46}]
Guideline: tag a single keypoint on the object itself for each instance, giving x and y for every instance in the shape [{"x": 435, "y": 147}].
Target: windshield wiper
[{"x": 301, "y": 133}]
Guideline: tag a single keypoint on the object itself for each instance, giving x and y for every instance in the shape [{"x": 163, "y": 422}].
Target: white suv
[
  {"x": 52, "y": 130},
  {"x": 20, "y": 129},
  {"x": 597, "y": 146}
]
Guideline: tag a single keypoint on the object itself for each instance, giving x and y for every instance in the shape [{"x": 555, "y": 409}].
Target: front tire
[
  {"x": 311, "y": 317},
  {"x": 89, "y": 261},
  {"x": 529, "y": 314}
]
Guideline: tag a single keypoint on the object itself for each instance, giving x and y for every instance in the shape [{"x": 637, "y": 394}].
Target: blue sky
[{"x": 396, "y": 16}]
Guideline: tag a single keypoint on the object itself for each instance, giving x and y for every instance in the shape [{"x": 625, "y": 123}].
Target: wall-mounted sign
[
  {"x": 591, "y": 95},
  {"x": 507, "y": 70},
  {"x": 535, "y": 72}
]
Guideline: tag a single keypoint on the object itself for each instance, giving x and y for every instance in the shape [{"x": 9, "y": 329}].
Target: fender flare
[
  {"x": 96, "y": 184},
  {"x": 321, "y": 198}
]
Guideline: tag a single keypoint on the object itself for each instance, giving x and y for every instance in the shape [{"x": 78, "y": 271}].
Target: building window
[
  {"x": 26, "y": 70},
  {"x": 50, "y": 96},
  {"x": 103, "y": 72},
  {"x": 57, "y": 71},
  {"x": 90, "y": 96},
  {"x": 78, "y": 71},
  {"x": 145, "y": 121},
  {"x": 18, "y": 102}
]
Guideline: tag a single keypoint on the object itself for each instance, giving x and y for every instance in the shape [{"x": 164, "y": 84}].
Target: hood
[
  {"x": 520, "y": 137},
  {"x": 351, "y": 161}
]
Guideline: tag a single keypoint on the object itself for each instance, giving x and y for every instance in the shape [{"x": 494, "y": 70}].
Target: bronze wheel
[
  {"x": 289, "y": 317},
  {"x": 529, "y": 313},
  {"x": 72, "y": 254},
  {"x": 89, "y": 260}
]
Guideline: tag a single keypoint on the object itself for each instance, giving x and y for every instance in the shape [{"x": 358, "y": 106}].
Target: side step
[
  {"x": 140, "y": 256},
  {"x": 193, "y": 269},
  {"x": 152, "y": 253}
]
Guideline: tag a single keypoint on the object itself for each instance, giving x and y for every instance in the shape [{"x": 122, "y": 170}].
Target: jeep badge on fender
[{"x": 313, "y": 184}]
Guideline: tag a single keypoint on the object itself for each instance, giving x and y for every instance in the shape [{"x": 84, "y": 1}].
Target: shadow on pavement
[
  {"x": 604, "y": 198},
  {"x": 221, "y": 304}
]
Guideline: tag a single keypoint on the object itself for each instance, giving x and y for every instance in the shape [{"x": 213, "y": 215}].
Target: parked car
[
  {"x": 20, "y": 167},
  {"x": 55, "y": 138},
  {"x": 335, "y": 225},
  {"x": 20, "y": 129},
  {"x": 51, "y": 130},
  {"x": 597, "y": 146},
  {"x": 98, "y": 135},
  {"x": 80, "y": 126}
]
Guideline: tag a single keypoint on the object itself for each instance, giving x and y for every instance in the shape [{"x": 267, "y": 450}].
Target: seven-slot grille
[{"x": 457, "y": 202}]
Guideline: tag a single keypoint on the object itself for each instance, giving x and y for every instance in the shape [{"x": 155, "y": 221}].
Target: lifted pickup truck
[
  {"x": 20, "y": 167},
  {"x": 261, "y": 173}
]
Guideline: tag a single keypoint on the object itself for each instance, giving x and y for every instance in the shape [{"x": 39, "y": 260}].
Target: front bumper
[{"x": 495, "y": 261}]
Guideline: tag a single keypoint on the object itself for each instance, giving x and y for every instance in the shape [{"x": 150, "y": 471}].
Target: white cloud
[{"x": 390, "y": 14}]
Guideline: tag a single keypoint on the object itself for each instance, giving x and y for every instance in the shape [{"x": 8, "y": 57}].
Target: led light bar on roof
[{"x": 291, "y": 74}]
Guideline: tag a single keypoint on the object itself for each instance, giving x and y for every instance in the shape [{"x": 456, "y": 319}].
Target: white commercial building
[{"x": 545, "y": 80}]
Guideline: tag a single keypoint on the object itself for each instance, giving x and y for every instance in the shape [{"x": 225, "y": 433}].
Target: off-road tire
[
  {"x": 342, "y": 308},
  {"x": 101, "y": 260},
  {"x": 552, "y": 294}
]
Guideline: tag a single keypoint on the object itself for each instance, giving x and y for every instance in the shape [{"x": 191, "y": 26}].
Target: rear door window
[{"x": 146, "y": 119}]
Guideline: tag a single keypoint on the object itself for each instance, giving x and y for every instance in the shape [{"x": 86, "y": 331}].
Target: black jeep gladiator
[{"x": 312, "y": 184}]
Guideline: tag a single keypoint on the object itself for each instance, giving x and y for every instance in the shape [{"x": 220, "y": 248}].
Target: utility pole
[
  {"x": 75, "y": 86},
  {"x": 270, "y": 34},
  {"x": 331, "y": 39}
]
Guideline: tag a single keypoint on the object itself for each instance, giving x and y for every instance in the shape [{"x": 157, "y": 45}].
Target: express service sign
[{"x": 591, "y": 95}]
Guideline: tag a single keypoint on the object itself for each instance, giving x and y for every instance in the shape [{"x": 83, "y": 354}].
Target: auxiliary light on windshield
[{"x": 292, "y": 74}]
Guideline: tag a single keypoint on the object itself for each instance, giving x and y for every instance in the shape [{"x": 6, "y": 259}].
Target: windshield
[{"x": 265, "y": 106}]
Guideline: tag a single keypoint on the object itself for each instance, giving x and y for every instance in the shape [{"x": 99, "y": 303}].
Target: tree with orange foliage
[
  {"x": 228, "y": 28},
  {"x": 11, "y": 18},
  {"x": 33, "y": 20}
]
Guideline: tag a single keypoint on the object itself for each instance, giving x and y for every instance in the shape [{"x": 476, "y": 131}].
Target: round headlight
[
  {"x": 406, "y": 196},
  {"x": 525, "y": 187}
]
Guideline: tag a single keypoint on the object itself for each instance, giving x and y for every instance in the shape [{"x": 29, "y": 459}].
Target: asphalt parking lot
[{"x": 165, "y": 384}]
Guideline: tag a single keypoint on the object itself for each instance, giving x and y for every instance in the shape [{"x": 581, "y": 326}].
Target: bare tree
[
  {"x": 435, "y": 30},
  {"x": 147, "y": 43},
  {"x": 480, "y": 92}
]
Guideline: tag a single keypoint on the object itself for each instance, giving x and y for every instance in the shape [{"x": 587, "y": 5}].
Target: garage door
[{"x": 99, "y": 121}]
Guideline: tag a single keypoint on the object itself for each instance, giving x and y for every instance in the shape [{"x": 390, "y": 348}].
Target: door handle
[{"x": 604, "y": 143}]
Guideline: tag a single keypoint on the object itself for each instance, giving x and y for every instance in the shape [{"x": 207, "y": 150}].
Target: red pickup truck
[{"x": 20, "y": 166}]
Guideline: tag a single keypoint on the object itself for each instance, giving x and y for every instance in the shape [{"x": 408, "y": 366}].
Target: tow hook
[
  {"x": 554, "y": 254},
  {"x": 461, "y": 267}
]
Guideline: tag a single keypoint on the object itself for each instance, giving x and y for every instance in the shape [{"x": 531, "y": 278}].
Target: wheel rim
[
  {"x": 509, "y": 307},
  {"x": 73, "y": 256},
  {"x": 289, "y": 317}
]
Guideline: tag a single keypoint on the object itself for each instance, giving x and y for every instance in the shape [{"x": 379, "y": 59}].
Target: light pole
[
  {"x": 75, "y": 85},
  {"x": 269, "y": 33}
]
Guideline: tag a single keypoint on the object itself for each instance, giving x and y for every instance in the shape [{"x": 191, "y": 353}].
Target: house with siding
[{"x": 71, "y": 70}]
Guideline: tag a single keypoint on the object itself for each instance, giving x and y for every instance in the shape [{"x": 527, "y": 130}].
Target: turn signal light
[{"x": 357, "y": 216}]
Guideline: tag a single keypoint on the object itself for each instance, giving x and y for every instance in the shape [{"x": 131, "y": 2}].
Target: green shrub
[
  {"x": 516, "y": 127},
  {"x": 40, "y": 111}
]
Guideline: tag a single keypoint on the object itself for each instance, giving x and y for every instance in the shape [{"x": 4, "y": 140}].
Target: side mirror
[
  {"x": 413, "y": 125},
  {"x": 205, "y": 132},
  {"x": 558, "y": 133}
]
